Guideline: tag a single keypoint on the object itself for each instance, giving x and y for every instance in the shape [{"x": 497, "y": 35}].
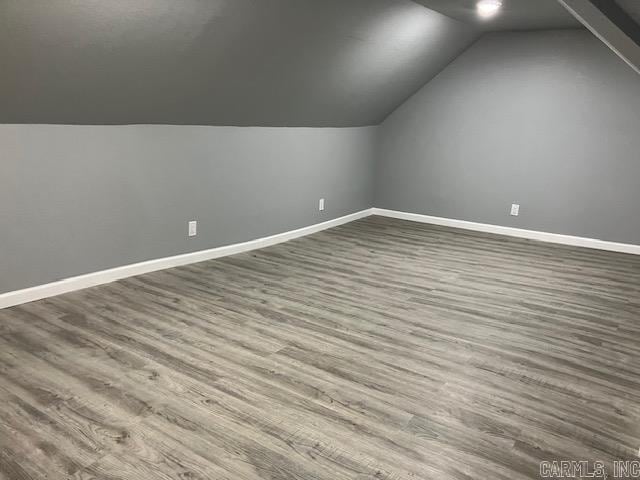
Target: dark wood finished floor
[{"x": 381, "y": 349}]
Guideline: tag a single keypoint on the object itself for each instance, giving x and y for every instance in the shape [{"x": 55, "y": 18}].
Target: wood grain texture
[{"x": 381, "y": 349}]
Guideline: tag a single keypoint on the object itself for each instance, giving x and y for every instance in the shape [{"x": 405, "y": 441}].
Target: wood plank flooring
[{"x": 381, "y": 349}]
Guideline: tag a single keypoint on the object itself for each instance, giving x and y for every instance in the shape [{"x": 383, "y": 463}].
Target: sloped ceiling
[{"x": 218, "y": 62}]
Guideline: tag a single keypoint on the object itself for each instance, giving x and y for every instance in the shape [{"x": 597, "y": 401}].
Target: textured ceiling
[
  {"x": 218, "y": 62},
  {"x": 514, "y": 15}
]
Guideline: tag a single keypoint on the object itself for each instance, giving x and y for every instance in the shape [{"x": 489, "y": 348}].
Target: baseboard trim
[
  {"x": 67, "y": 285},
  {"x": 513, "y": 232}
]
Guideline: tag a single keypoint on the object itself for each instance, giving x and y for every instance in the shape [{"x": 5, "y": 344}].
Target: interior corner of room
[
  {"x": 413, "y": 141},
  {"x": 544, "y": 119}
]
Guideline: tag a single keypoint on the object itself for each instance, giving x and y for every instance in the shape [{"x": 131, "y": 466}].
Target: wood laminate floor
[{"x": 381, "y": 349}]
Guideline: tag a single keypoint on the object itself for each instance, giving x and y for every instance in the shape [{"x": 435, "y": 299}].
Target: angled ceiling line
[
  {"x": 606, "y": 29},
  {"x": 620, "y": 17}
]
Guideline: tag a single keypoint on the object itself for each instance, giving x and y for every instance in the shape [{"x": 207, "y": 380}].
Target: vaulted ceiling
[
  {"x": 632, "y": 7},
  {"x": 218, "y": 62},
  {"x": 235, "y": 62}
]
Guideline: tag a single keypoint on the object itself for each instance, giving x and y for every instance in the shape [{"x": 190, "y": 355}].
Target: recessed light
[{"x": 488, "y": 8}]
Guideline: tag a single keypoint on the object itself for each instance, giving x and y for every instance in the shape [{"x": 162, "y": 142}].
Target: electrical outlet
[
  {"x": 193, "y": 228},
  {"x": 515, "y": 210},
  {"x": 321, "y": 205}
]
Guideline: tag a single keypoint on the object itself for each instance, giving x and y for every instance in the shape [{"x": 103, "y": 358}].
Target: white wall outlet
[
  {"x": 321, "y": 205},
  {"x": 515, "y": 210},
  {"x": 193, "y": 228}
]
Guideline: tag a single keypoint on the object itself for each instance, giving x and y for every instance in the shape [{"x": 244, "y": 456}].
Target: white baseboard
[
  {"x": 67, "y": 285},
  {"x": 513, "y": 232}
]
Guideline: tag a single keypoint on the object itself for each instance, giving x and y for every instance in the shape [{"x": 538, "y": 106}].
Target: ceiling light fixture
[{"x": 488, "y": 8}]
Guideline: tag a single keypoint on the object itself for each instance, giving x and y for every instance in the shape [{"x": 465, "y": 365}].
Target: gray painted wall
[
  {"x": 550, "y": 120},
  {"x": 546, "y": 119},
  {"x": 77, "y": 199}
]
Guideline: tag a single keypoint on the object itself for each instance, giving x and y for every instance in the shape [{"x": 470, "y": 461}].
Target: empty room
[{"x": 319, "y": 239}]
